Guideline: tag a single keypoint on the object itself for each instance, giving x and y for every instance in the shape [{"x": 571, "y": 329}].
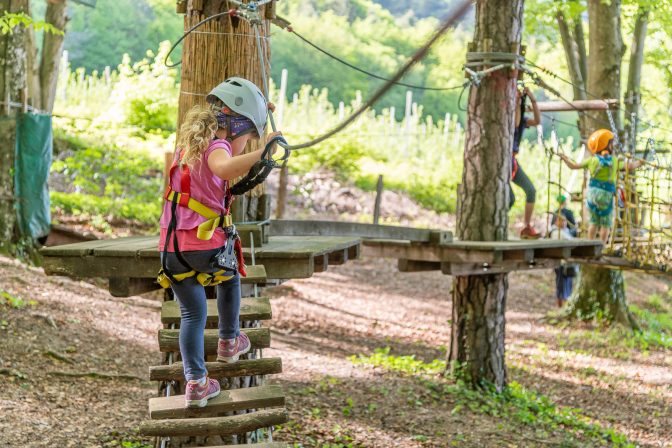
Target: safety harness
[
  {"x": 608, "y": 186},
  {"x": 205, "y": 231}
]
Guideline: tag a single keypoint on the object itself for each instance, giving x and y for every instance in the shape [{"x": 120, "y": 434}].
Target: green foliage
[
  {"x": 8, "y": 21},
  {"x": 405, "y": 364},
  {"x": 109, "y": 182},
  {"x": 516, "y": 403},
  {"x": 16, "y": 302},
  {"x": 99, "y": 36}
]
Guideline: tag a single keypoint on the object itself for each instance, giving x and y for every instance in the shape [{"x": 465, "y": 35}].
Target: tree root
[{"x": 97, "y": 375}]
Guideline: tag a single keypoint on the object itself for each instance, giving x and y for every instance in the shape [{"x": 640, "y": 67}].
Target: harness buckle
[
  {"x": 226, "y": 221},
  {"x": 184, "y": 199}
]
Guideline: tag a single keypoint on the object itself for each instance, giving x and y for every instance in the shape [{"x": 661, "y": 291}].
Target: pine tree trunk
[
  {"x": 52, "y": 50},
  {"x": 220, "y": 49},
  {"x": 478, "y": 322},
  {"x": 600, "y": 293}
]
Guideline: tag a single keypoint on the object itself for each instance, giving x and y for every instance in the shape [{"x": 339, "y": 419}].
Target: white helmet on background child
[{"x": 244, "y": 98}]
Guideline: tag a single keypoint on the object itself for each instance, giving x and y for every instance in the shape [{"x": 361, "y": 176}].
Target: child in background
[
  {"x": 604, "y": 170},
  {"x": 518, "y": 175},
  {"x": 564, "y": 275},
  {"x": 209, "y": 156}
]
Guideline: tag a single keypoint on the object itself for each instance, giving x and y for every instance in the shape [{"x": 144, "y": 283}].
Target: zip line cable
[
  {"x": 555, "y": 75},
  {"x": 361, "y": 70},
  {"x": 452, "y": 18}
]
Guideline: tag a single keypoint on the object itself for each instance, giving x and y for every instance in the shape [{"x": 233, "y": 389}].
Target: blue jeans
[{"x": 193, "y": 305}]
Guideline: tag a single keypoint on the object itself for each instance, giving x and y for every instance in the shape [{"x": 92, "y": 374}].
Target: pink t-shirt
[{"x": 207, "y": 189}]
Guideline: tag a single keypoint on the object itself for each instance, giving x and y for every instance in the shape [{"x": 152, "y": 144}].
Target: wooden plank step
[
  {"x": 244, "y": 367},
  {"x": 255, "y": 274},
  {"x": 269, "y": 396},
  {"x": 169, "y": 339},
  {"x": 235, "y": 424},
  {"x": 251, "y": 308},
  {"x": 258, "y": 445}
]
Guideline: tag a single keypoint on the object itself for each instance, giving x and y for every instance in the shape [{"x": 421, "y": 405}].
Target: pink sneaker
[
  {"x": 230, "y": 350},
  {"x": 197, "y": 395}
]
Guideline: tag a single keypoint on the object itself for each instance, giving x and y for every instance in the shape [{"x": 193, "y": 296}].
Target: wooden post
[
  {"x": 168, "y": 157},
  {"x": 284, "y": 171},
  {"x": 379, "y": 195}
]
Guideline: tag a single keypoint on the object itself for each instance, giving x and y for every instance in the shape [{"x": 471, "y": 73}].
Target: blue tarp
[{"x": 33, "y": 161}]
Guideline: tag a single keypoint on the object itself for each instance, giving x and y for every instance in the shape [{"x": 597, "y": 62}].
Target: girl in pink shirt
[{"x": 209, "y": 157}]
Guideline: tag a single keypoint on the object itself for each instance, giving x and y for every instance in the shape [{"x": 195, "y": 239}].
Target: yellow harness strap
[
  {"x": 204, "y": 279},
  {"x": 206, "y": 229}
]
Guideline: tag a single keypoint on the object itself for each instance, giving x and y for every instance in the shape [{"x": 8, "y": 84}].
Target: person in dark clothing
[
  {"x": 518, "y": 175},
  {"x": 564, "y": 275},
  {"x": 568, "y": 214}
]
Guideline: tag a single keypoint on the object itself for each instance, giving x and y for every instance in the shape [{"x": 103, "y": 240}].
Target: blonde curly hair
[{"x": 196, "y": 133}]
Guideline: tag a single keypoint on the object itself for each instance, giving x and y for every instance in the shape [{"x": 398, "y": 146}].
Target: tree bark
[
  {"x": 580, "y": 39},
  {"x": 222, "y": 48},
  {"x": 602, "y": 296},
  {"x": 478, "y": 322},
  {"x": 632, "y": 92},
  {"x": 605, "y": 47},
  {"x": 52, "y": 50},
  {"x": 600, "y": 293},
  {"x": 572, "y": 55},
  {"x": 575, "y": 54},
  {"x": 13, "y": 85}
]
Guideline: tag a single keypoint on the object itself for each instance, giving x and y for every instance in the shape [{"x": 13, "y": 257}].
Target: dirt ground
[{"x": 77, "y": 327}]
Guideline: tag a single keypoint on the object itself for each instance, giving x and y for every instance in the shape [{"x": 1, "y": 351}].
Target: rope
[
  {"x": 366, "y": 72},
  {"x": 452, "y": 18}
]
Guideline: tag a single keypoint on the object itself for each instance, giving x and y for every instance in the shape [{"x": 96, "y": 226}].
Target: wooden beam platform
[
  {"x": 283, "y": 227},
  {"x": 283, "y": 257},
  {"x": 623, "y": 264},
  {"x": 479, "y": 257}
]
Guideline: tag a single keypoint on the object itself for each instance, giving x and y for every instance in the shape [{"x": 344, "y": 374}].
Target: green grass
[
  {"x": 16, "y": 302},
  {"x": 100, "y": 210},
  {"x": 516, "y": 403}
]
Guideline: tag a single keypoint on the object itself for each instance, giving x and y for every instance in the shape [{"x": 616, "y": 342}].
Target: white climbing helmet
[{"x": 244, "y": 98}]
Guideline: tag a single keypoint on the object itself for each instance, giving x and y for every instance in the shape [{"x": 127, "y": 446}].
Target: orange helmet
[{"x": 599, "y": 140}]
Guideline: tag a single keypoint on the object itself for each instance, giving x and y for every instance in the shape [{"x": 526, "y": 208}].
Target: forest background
[{"x": 124, "y": 116}]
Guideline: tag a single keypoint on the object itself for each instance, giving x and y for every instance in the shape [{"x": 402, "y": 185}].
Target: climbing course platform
[
  {"x": 483, "y": 257},
  {"x": 247, "y": 408}
]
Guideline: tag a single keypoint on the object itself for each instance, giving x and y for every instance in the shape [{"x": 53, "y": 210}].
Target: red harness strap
[{"x": 185, "y": 194}]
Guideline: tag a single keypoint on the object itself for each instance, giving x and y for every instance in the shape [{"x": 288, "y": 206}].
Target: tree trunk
[
  {"x": 52, "y": 50},
  {"x": 477, "y": 338},
  {"x": 580, "y": 39},
  {"x": 572, "y": 55},
  {"x": 600, "y": 293},
  {"x": 13, "y": 85},
  {"x": 220, "y": 49},
  {"x": 632, "y": 93},
  {"x": 575, "y": 54}
]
